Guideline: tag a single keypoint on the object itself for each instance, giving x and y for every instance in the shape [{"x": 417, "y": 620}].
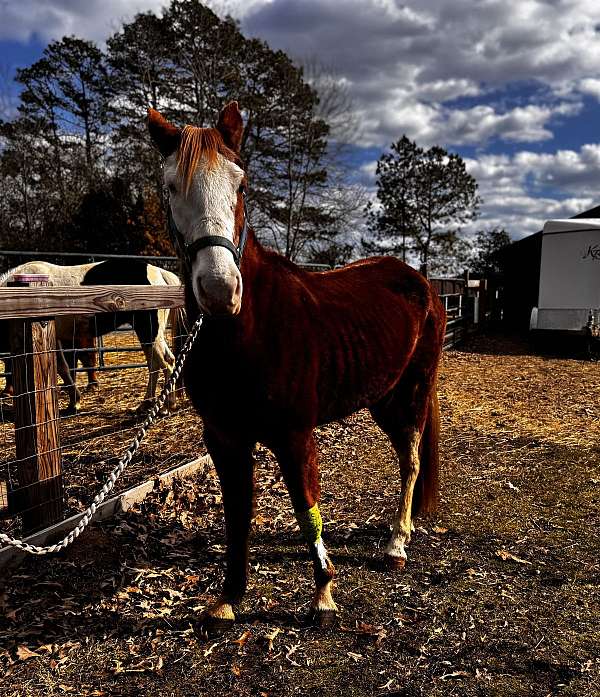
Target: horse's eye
[{"x": 172, "y": 188}]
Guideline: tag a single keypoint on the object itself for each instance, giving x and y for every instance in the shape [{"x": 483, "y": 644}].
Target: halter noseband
[{"x": 187, "y": 252}]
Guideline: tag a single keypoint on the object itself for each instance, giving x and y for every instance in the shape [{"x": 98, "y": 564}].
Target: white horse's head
[{"x": 203, "y": 173}]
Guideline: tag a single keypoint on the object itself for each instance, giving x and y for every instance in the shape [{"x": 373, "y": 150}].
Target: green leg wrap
[{"x": 310, "y": 524}]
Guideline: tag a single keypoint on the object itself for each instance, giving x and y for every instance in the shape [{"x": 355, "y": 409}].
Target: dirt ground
[{"x": 500, "y": 595}]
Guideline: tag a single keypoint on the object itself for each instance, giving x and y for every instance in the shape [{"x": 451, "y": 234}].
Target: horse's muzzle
[{"x": 219, "y": 295}]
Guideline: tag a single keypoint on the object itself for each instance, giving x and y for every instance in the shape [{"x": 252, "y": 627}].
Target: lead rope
[{"x": 123, "y": 462}]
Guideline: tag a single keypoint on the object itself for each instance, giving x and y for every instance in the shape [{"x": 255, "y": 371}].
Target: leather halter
[{"x": 187, "y": 252}]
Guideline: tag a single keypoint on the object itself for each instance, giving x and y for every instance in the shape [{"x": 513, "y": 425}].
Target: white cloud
[
  {"x": 404, "y": 61},
  {"x": 429, "y": 124},
  {"x": 590, "y": 86},
  {"x": 522, "y": 191},
  {"x": 91, "y": 19}
]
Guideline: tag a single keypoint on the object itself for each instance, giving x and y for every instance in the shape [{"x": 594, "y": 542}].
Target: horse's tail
[
  {"x": 177, "y": 316},
  {"x": 427, "y": 488},
  {"x": 179, "y": 331},
  {"x": 179, "y": 327}
]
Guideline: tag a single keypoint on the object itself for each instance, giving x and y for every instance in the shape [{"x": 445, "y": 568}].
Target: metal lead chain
[{"x": 123, "y": 462}]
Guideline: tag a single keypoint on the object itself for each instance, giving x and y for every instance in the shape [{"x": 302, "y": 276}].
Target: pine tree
[{"x": 424, "y": 196}]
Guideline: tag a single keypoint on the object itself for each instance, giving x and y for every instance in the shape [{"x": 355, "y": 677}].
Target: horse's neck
[{"x": 266, "y": 278}]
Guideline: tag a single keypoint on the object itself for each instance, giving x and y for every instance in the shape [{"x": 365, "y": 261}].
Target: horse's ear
[
  {"x": 231, "y": 126},
  {"x": 164, "y": 135}
]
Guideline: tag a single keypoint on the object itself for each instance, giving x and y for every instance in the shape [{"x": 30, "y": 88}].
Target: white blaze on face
[{"x": 209, "y": 209}]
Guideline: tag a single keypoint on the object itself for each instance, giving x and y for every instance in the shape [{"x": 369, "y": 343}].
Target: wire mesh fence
[{"x": 60, "y": 438}]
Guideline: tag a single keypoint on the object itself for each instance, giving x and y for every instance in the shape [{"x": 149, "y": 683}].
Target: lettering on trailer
[{"x": 593, "y": 252}]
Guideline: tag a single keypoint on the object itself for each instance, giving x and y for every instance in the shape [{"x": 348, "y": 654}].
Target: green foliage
[
  {"x": 488, "y": 243},
  {"x": 423, "y": 197},
  {"x": 105, "y": 217}
]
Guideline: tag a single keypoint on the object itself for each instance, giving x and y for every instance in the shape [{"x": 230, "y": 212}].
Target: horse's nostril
[{"x": 219, "y": 294}]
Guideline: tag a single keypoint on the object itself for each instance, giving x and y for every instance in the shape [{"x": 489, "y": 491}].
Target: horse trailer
[{"x": 569, "y": 279}]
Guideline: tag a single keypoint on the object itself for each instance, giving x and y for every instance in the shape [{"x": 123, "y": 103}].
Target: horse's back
[
  {"x": 339, "y": 340},
  {"x": 373, "y": 278},
  {"x": 58, "y": 275}
]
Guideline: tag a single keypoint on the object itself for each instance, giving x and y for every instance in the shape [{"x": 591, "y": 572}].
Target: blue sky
[{"x": 511, "y": 85}]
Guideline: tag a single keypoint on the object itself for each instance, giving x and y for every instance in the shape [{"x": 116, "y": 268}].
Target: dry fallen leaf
[
  {"x": 270, "y": 637},
  {"x": 355, "y": 656},
  {"x": 23, "y": 653},
  {"x": 505, "y": 555},
  {"x": 243, "y": 639},
  {"x": 440, "y": 530}
]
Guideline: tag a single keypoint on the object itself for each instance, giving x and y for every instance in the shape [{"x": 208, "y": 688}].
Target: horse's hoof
[
  {"x": 394, "y": 563},
  {"x": 322, "y": 618},
  {"x": 210, "y": 626},
  {"x": 93, "y": 386}
]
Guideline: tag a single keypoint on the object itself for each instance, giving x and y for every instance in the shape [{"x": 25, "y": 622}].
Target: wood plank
[
  {"x": 11, "y": 556},
  {"x": 86, "y": 300},
  {"x": 36, "y": 423}
]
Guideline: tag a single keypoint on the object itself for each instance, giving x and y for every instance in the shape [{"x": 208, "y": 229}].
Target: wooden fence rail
[{"x": 24, "y": 303}]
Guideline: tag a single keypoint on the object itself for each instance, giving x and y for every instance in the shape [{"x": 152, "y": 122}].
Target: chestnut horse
[{"x": 283, "y": 350}]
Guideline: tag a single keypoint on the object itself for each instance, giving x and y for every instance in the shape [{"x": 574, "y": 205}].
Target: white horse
[{"x": 80, "y": 331}]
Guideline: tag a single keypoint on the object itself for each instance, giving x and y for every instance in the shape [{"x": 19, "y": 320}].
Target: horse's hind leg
[
  {"x": 234, "y": 464},
  {"x": 149, "y": 328},
  {"x": 66, "y": 370},
  {"x": 86, "y": 344},
  {"x": 297, "y": 457},
  {"x": 409, "y": 416},
  {"x": 9, "y": 389}
]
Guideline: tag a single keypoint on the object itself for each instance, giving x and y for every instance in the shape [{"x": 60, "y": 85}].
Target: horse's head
[{"x": 203, "y": 173}]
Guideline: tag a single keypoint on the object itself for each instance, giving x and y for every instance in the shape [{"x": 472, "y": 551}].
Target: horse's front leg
[
  {"x": 234, "y": 464},
  {"x": 297, "y": 456}
]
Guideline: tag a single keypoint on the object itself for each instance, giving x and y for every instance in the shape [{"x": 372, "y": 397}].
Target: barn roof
[{"x": 592, "y": 213}]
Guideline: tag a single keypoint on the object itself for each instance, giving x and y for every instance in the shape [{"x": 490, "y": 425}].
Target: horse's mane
[
  {"x": 196, "y": 144},
  {"x": 4, "y": 277}
]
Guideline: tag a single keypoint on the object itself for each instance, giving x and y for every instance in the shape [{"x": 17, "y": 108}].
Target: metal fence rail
[
  {"x": 10, "y": 258},
  {"x": 465, "y": 302}
]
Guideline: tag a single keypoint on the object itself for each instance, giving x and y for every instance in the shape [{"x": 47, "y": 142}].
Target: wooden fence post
[{"x": 39, "y": 498}]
